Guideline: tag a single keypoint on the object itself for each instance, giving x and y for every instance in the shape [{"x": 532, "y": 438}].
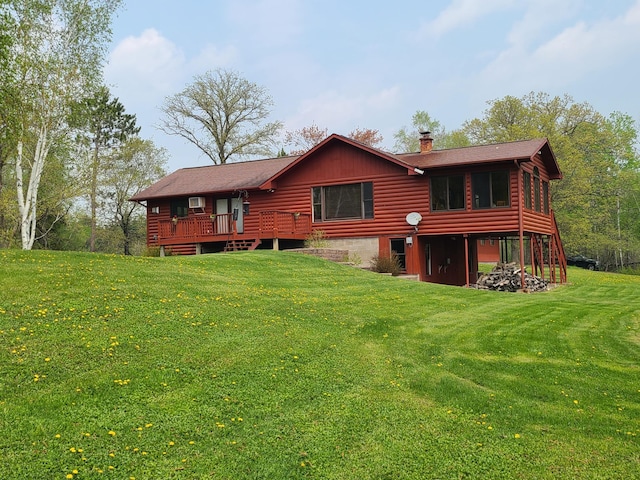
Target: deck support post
[
  {"x": 198, "y": 248},
  {"x": 162, "y": 253},
  {"x": 466, "y": 259},
  {"x": 276, "y": 244}
]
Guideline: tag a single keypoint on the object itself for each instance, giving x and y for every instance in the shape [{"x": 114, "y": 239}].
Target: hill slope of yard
[{"x": 278, "y": 365}]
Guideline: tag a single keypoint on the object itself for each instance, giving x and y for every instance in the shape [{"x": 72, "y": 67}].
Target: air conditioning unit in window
[{"x": 196, "y": 202}]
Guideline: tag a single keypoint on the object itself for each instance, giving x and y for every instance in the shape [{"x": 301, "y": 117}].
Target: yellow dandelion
[
  {"x": 517, "y": 435},
  {"x": 112, "y": 433},
  {"x": 171, "y": 444},
  {"x": 69, "y": 475}
]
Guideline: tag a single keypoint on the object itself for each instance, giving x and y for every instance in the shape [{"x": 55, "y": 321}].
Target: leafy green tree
[
  {"x": 222, "y": 114},
  {"x": 8, "y": 221},
  {"x": 57, "y": 192},
  {"x": 594, "y": 153},
  {"x": 56, "y": 57},
  {"x": 409, "y": 140},
  {"x": 105, "y": 126},
  {"x": 134, "y": 167}
]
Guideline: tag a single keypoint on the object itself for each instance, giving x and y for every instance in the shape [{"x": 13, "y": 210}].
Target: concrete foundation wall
[{"x": 364, "y": 248}]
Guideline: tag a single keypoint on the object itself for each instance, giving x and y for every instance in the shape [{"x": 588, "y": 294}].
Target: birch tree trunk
[{"x": 28, "y": 201}]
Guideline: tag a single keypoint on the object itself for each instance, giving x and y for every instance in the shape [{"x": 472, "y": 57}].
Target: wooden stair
[
  {"x": 556, "y": 251},
  {"x": 548, "y": 252},
  {"x": 237, "y": 245}
]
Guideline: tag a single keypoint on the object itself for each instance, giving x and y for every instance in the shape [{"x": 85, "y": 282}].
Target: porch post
[
  {"x": 521, "y": 227},
  {"x": 532, "y": 253},
  {"x": 198, "y": 248},
  {"x": 276, "y": 244},
  {"x": 466, "y": 258}
]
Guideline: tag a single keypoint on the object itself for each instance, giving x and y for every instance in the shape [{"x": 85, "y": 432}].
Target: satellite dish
[{"x": 413, "y": 218}]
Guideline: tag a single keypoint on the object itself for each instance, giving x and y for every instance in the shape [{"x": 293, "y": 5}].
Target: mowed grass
[{"x": 275, "y": 365}]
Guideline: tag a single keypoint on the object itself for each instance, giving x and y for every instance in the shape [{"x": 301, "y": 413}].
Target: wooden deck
[{"x": 223, "y": 228}]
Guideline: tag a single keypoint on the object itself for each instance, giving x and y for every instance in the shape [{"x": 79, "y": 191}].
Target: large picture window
[
  {"x": 490, "y": 189},
  {"x": 343, "y": 202},
  {"x": 447, "y": 192}
]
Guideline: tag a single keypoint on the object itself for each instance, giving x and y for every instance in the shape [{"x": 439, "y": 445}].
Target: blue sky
[{"x": 355, "y": 64}]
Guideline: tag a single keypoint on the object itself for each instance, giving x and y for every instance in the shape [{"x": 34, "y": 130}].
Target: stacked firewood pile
[{"x": 507, "y": 277}]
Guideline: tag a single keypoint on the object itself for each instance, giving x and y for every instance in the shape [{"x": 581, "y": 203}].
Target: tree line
[{"x": 70, "y": 155}]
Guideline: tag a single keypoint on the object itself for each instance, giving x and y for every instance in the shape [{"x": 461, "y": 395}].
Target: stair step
[{"x": 237, "y": 245}]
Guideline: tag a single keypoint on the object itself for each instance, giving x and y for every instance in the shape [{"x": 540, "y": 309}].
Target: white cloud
[
  {"x": 585, "y": 47},
  {"x": 267, "y": 22},
  {"x": 570, "y": 56},
  {"x": 212, "y": 57},
  {"x": 341, "y": 112},
  {"x": 146, "y": 64},
  {"x": 461, "y": 13},
  {"x": 540, "y": 19}
]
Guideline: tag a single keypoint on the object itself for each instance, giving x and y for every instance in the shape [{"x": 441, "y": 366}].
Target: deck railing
[
  {"x": 272, "y": 224},
  {"x": 192, "y": 228},
  {"x": 282, "y": 224}
]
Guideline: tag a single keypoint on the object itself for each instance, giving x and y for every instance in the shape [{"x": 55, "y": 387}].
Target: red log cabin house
[{"x": 439, "y": 210}]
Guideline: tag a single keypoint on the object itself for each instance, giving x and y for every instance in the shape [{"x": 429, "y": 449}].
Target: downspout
[{"x": 520, "y": 225}]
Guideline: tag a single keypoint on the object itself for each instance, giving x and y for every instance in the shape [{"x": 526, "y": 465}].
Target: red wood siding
[
  {"x": 534, "y": 221},
  {"x": 490, "y": 251},
  {"x": 395, "y": 192},
  {"x": 183, "y": 249},
  {"x": 503, "y": 219}
]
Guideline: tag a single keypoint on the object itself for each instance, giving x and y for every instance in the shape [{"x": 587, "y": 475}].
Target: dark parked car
[{"x": 584, "y": 262}]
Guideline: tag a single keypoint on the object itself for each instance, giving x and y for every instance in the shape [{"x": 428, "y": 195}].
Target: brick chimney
[{"x": 426, "y": 142}]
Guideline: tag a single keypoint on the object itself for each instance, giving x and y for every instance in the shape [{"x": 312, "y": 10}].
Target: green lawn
[{"x": 274, "y": 365}]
